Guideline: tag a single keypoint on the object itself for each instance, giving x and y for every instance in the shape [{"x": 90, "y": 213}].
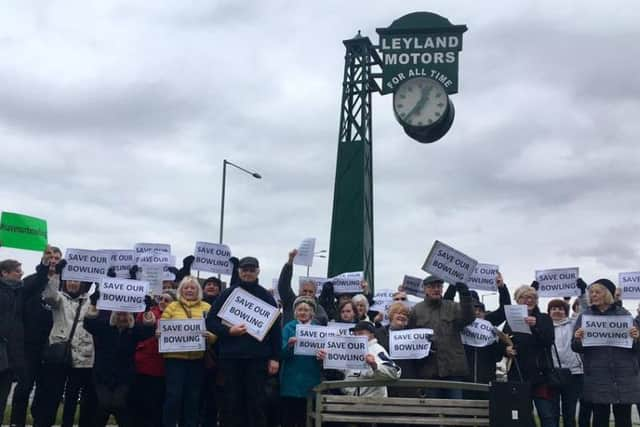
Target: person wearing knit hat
[
  {"x": 611, "y": 373},
  {"x": 211, "y": 289}
]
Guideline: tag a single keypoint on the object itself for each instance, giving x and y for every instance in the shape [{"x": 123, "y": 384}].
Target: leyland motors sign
[{"x": 420, "y": 44}]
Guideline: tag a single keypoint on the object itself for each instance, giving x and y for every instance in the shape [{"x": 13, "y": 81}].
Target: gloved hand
[
  {"x": 133, "y": 271},
  {"x": 582, "y": 285},
  {"x": 235, "y": 277},
  {"x": 462, "y": 288},
  {"x": 95, "y": 296},
  {"x": 111, "y": 272},
  {"x": 148, "y": 303},
  {"x": 235, "y": 261},
  {"x": 185, "y": 270},
  {"x": 60, "y": 266},
  {"x": 535, "y": 285}
]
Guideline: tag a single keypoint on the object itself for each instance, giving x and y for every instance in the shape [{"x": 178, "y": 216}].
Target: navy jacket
[{"x": 244, "y": 346}]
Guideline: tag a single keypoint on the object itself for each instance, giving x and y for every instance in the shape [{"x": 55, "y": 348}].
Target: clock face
[{"x": 420, "y": 102}]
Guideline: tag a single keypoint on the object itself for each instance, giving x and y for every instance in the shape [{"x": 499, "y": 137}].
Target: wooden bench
[{"x": 322, "y": 407}]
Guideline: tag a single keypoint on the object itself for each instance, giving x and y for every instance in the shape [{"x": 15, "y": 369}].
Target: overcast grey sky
[{"x": 115, "y": 118}]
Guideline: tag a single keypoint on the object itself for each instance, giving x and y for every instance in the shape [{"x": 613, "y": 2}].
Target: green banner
[{"x": 23, "y": 232}]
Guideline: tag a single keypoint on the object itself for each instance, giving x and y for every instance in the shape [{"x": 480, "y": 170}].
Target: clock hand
[{"x": 420, "y": 104}]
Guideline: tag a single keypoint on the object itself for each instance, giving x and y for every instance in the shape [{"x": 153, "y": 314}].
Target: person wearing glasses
[
  {"x": 149, "y": 384},
  {"x": 533, "y": 354},
  {"x": 287, "y": 296},
  {"x": 245, "y": 362}
]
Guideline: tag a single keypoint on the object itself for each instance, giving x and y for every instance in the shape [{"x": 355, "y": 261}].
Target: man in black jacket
[
  {"x": 37, "y": 325},
  {"x": 245, "y": 362},
  {"x": 13, "y": 293}
]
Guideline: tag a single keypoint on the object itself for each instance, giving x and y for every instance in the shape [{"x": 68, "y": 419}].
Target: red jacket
[{"x": 148, "y": 360}]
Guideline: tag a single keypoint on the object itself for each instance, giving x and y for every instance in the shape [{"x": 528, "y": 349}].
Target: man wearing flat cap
[
  {"x": 245, "y": 362},
  {"x": 447, "y": 318}
]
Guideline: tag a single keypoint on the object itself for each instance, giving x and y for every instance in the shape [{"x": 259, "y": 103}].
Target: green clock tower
[{"x": 417, "y": 62}]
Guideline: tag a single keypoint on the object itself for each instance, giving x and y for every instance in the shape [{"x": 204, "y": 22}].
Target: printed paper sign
[
  {"x": 630, "y": 284},
  {"x": 449, "y": 264},
  {"x": 305, "y": 252},
  {"x": 348, "y": 283},
  {"x": 319, "y": 281},
  {"x": 612, "y": 331},
  {"x": 121, "y": 260},
  {"x": 85, "y": 265},
  {"x": 484, "y": 278},
  {"x": 410, "y": 343},
  {"x": 213, "y": 258},
  {"x": 155, "y": 258},
  {"x": 310, "y": 339},
  {"x": 143, "y": 248},
  {"x": 243, "y": 308},
  {"x": 155, "y": 274},
  {"x": 515, "y": 315},
  {"x": 182, "y": 336},
  {"x": 558, "y": 282},
  {"x": 383, "y": 300},
  {"x": 413, "y": 286},
  {"x": 23, "y": 232},
  {"x": 341, "y": 328},
  {"x": 480, "y": 333},
  {"x": 122, "y": 295},
  {"x": 345, "y": 352}
]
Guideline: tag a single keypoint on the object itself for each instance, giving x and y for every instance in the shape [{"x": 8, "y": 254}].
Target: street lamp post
[
  {"x": 225, "y": 162},
  {"x": 319, "y": 254}
]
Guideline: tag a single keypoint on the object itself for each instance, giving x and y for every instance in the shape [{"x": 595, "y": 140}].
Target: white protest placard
[
  {"x": 345, "y": 352},
  {"x": 319, "y": 281},
  {"x": 515, "y": 315},
  {"x": 182, "y": 336},
  {"x": 154, "y": 274},
  {"x": 341, "y": 328},
  {"x": 121, "y": 260},
  {"x": 558, "y": 282},
  {"x": 305, "y": 252},
  {"x": 85, "y": 265},
  {"x": 212, "y": 257},
  {"x": 310, "y": 339},
  {"x": 410, "y": 343},
  {"x": 118, "y": 294},
  {"x": 143, "y": 248},
  {"x": 243, "y": 308},
  {"x": 630, "y": 284},
  {"x": 449, "y": 264},
  {"x": 155, "y": 258},
  {"x": 612, "y": 331},
  {"x": 413, "y": 286},
  {"x": 480, "y": 333},
  {"x": 382, "y": 301},
  {"x": 483, "y": 278},
  {"x": 348, "y": 283}
]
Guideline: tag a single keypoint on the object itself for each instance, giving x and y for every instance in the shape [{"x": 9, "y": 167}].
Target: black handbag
[
  {"x": 557, "y": 377},
  {"x": 59, "y": 353},
  {"x": 510, "y": 403}
]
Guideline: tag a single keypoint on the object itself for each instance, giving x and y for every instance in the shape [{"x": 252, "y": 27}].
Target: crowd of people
[{"x": 60, "y": 350}]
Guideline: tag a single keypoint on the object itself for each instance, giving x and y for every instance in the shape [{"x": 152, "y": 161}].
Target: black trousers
[
  {"x": 76, "y": 384},
  {"x": 6, "y": 379},
  {"x": 113, "y": 401},
  {"x": 245, "y": 382},
  {"x": 209, "y": 396},
  {"x": 294, "y": 411},
  {"x": 621, "y": 413},
  {"x": 31, "y": 376},
  {"x": 146, "y": 401}
]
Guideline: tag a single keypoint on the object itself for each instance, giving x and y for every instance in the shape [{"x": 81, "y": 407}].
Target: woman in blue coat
[{"x": 298, "y": 374}]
